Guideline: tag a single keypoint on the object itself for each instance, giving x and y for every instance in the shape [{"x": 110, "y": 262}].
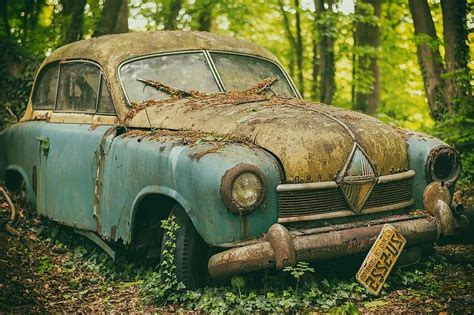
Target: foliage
[
  {"x": 299, "y": 271},
  {"x": 162, "y": 285},
  {"x": 17, "y": 71},
  {"x": 458, "y": 130}
]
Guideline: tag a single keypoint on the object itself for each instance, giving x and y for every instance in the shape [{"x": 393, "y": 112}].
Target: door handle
[{"x": 44, "y": 144}]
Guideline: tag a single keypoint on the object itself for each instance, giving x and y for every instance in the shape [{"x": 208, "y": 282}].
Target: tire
[{"x": 191, "y": 254}]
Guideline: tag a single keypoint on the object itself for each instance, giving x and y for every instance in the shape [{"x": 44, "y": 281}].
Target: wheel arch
[
  {"x": 146, "y": 201},
  {"x": 13, "y": 174}
]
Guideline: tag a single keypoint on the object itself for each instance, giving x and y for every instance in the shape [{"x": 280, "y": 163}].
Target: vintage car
[{"x": 123, "y": 131}]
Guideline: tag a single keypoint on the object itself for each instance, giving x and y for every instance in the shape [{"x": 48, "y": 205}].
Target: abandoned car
[{"x": 123, "y": 131}]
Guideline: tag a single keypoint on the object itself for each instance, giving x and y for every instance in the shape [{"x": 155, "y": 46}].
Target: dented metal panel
[
  {"x": 111, "y": 50},
  {"x": 138, "y": 163},
  {"x": 419, "y": 147},
  {"x": 312, "y": 141}
]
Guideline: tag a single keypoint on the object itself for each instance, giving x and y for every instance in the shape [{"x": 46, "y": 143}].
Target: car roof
[
  {"x": 115, "y": 49},
  {"x": 110, "y": 51}
]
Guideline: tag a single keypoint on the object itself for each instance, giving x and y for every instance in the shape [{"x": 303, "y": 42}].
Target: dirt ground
[{"x": 41, "y": 273}]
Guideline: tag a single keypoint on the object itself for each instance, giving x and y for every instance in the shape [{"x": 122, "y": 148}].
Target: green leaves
[
  {"x": 298, "y": 271},
  {"x": 162, "y": 286}
]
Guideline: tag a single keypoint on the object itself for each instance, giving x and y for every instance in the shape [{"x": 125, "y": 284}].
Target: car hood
[{"x": 312, "y": 141}]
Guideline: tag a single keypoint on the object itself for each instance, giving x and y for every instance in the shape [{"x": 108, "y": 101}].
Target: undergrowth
[{"x": 301, "y": 288}]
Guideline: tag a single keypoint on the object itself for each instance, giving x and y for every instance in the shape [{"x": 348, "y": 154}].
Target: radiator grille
[{"x": 311, "y": 202}]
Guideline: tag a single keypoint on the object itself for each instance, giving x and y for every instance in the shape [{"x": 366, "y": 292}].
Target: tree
[
  {"x": 326, "y": 30},
  {"x": 366, "y": 95},
  {"x": 4, "y": 10},
  {"x": 73, "y": 16},
  {"x": 114, "y": 18},
  {"x": 295, "y": 41},
  {"x": 299, "y": 48},
  {"x": 204, "y": 17},
  {"x": 171, "y": 12},
  {"x": 315, "y": 52},
  {"x": 455, "y": 35},
  {"x": 429, "y": 57}
]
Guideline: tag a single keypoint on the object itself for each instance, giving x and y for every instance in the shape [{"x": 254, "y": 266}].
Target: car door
[{"x": 71, "y": 145}]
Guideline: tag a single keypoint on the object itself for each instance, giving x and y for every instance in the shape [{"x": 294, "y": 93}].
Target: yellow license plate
[{"x": 381, "y": 258}]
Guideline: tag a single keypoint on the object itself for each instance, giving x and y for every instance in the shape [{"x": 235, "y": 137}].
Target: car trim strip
[
  {"x": 306, "y": 186},
  {"x": 346, "y": 213},
  {"x": 394, "y": 177},
  {"x": 332, "y": 184}
]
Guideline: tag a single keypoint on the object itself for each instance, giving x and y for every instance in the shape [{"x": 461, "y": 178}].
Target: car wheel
[{"x": 191, "y": 254}]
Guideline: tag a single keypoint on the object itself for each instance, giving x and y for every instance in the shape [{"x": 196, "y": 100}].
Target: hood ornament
[{"x": 357, "y": 179}]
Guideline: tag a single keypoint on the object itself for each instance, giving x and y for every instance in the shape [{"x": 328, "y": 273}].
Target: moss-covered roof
[{"x": 114, "y": 49}]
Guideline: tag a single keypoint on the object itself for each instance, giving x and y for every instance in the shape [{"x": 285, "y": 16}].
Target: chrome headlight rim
[
  {"x": 226, "y": 188},
  {"x": 444, "y": 165}
]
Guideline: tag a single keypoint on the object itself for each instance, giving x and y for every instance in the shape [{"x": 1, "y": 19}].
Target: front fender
[
  {"x": 212, "y": 219},
  {"x": 190, "y": 174},
  {"x": 419, "y": 148}
]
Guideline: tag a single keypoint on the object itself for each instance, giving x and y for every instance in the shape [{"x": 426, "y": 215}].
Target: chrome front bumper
[{"x": 281, "y": 248}]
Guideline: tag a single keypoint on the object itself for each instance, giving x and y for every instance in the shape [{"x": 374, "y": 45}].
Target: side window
[
  {"x": 106, "y": 105},
  {"x": 44, "y": 96},
  {"x": 78, "y": 87}
]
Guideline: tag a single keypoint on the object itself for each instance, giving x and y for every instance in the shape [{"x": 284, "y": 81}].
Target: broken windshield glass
[
  {"x": 186, "y": 72},
  {"x": 239, "y": 72}
]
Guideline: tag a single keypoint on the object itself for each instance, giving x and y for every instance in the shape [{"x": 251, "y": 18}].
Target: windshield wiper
[
  {"x": 165, "y": 88},
  {"x": 263, "y": 86}
]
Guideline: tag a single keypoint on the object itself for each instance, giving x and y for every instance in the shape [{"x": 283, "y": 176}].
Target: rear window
[
  {"x": 44, "y": 96},
  {"x": 78, "y": 87}
]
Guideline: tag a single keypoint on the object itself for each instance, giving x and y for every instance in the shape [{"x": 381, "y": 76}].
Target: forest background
[{"x": 406, "y": 62}]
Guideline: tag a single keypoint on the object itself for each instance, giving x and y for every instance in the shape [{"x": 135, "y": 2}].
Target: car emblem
[{"x": 358, "y": 179}]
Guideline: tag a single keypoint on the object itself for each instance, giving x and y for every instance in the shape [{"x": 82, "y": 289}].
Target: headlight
[
  {"x": 243, "y": 189},
  {"x": 444, "y": 165}
]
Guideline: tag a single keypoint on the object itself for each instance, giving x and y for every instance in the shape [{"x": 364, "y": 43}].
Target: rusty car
[{"x": 123, "y": 131}]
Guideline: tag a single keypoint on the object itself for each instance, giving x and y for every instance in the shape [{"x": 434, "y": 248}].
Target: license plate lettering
[{"x": 381, "y": 258}]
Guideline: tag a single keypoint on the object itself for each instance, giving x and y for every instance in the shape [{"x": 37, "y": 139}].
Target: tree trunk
[
  {"x": 290, "y": 37},
  {"x": 114, "y": 18},
  {"x": 326, "y": 52},
  {"x": 367, "y": 74},
  {"x": 455, "y": 31},
  {"x": 73, "y": 15},
  {"x": 171, "y": 22},
  {"x": 315, "y": 60},
  {"x": 4, "y": 10},
  {"x": 429, "y": 57},
  {"x": 205, "y": 15},
  {"x": 299, "y": 48}
]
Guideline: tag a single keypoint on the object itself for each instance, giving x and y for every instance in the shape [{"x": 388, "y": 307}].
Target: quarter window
[
  {"x": 106, "y": 105},
  {"x": 78, "y": 87},
  {"x": 44, "y": 96}
]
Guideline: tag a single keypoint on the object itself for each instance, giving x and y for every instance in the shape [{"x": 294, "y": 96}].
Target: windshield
[
  {"x": 239, "y": 72},
  {"x": 188, "y": 72},
  {"x": 191, "y": 72}
]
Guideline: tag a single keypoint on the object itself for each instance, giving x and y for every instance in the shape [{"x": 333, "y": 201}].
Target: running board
[{"x": 93, "y": 237}]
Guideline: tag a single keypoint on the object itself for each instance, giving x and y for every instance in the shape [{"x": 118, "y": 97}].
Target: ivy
[{"x": 162, "y": 285}]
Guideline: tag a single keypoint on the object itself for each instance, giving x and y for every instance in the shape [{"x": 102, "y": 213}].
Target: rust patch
[
  {"x": 216, "y": 148},
  {"x": 403, "y": 133},
  {"x": 113, "y": 232},
  {"x": 349, "y": 117},
  {"x": 138, "y": 107},
  {"x": 191, "y": 138},
  {"x": 45, "y": 116},
  {"x": 445, "y": 155},
  {"x": 94, "y": 126},
  {"x": 226, "y": 188},
  {"x": 98, "y": 178}
]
